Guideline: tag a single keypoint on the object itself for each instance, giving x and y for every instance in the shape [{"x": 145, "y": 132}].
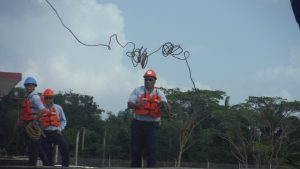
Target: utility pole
[
  {"x": 76, "y": 148},
  {"x": 104, "y": 147},
  {"x": 83, "y": 137}
]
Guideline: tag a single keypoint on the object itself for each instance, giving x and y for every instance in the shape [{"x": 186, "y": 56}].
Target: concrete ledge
[{"x": 76, "y": 167}]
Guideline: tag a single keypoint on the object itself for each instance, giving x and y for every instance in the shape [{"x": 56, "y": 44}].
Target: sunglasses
[
  {"x": 29, "y": 84},
  {"x": 149, "y": 79},
  {"x": 48, "y": 98}
]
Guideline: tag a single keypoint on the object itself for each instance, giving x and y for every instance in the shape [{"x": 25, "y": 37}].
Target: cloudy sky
[{"x": 245, "y": 48}]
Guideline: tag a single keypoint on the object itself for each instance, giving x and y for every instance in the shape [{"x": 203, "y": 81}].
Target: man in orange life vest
[
  {"x": 31, "y": 110},
  {"x": 53, "y": 122},
  {"x": 144, "y": 129}
]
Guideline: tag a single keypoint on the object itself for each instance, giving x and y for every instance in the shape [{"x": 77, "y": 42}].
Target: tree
[
  {"x": 191, "y": 107},
  {"x": 11, "y": 141},
  {"x": 81, "y": 111},
  {"x": 234, "y": 126},
  {"x": 257, "y": 131},
  {"x": 118, "y": 137}
]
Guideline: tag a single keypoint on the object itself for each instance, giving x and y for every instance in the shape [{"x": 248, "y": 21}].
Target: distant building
[{"x": 8, "y": 80}]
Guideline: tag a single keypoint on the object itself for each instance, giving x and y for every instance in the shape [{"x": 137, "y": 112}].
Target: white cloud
[
  {"x": 295, "y": 55},
  {"x": 35, "y": 44},
  {"x": 282, "y": 80},
  {"x": 289, "y": 71},
  {"x": 273, "y": 92}
]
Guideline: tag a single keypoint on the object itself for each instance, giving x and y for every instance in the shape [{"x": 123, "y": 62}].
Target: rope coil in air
[{"x": 137, "y": 55}]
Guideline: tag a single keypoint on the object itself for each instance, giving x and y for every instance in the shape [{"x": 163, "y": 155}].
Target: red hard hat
[
  {"x": 48, "y": 92},
  {"x": 150, "y": 73}
]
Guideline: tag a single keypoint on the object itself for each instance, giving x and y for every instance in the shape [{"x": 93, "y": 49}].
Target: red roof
[
  {"x": 8, "y": 80},
  {"x": 10, "y": 75}
]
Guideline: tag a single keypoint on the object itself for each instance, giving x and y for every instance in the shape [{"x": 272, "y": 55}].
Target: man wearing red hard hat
[{"x": 145, "y": 101}]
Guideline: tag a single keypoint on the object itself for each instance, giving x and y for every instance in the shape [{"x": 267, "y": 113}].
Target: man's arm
[
  {"x": 62, "y": 117},
  {"x": 37, "y": 102},
  {"x": 133, "y": 101},
  {"x": 41, "y": 113},
  {"x": 132, "y": 105}
]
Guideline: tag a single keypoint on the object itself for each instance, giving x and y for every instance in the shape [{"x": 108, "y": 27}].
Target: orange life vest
[
  {"x": 150, "y": 106},
  {"x": 26, "y": 111},
  {"x": 50, "y": 118}
]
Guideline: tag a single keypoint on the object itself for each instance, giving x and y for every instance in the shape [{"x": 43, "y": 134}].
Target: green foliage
[
  {"x": 81, "y": 110},
  {"x": 118, "y": 135},
  {"x": 168, "y": 140},
  {"x": 260, "y": 131},
  {"x": 9, "y": 112}
]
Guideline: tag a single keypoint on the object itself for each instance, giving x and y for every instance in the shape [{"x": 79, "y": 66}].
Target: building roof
[{"x": 8, "y": 80}]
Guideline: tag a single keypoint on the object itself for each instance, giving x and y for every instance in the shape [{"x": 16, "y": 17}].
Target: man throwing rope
[{"x": 146, "y": 101}]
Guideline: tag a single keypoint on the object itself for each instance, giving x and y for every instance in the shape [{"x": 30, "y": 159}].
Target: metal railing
[{"x": 110, "y": 163}]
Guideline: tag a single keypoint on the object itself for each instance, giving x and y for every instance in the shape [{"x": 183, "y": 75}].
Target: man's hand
[
  {"x": 166, "y": 110},
  {"x": 132, "y": 105},
  {"x": 41, "y": 113},
  {"x": 163, "y": 107},
  {"x": 59, "y": 132},
  {"x": 21, "y": 123}
]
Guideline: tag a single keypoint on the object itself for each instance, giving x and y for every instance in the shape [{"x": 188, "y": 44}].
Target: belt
[{"x": 51, "y": 132}]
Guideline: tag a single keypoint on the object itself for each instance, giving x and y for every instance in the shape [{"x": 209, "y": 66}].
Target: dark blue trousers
[
  {"x": 143, "y": 142},
  {"x": 36, "y": 150},
  {"x": 53, "y": 138}
]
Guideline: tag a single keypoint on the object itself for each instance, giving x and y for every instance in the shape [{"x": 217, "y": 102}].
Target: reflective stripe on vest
[
  {"x": 50, "y": 118},
  {"x": 150, "y": 106}
]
